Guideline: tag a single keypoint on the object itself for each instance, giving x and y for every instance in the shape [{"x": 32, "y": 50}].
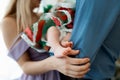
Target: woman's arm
[
  {"x": 68, "y": 66},
  {"x": 33, "y": 67},
  {"x": 9, "y": 30}
]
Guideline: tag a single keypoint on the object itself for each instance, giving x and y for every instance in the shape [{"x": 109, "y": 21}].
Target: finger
[
  {"x": 73, "y": 76},
  {"x": 71, "y": 44},
  {"x": 79, "y": 68},
  {"x": 77, "y": 74},
  {"x": 78, "y": 61},
  {"x": 67, "y": 44},
  {"x": 73, "y": 52}
]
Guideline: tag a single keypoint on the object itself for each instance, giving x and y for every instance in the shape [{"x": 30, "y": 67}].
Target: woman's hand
[{"x": 72, "y": 67}]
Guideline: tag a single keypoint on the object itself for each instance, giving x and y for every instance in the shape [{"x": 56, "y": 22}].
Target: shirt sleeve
[
  {"x": 94, "y": 19},
  {"x": 18, "y": 49}
]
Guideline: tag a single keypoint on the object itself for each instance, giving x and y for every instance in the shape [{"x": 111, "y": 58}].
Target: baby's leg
[
  {"x": 53, "y": 35},
  {"x": 65, "y": 40}
]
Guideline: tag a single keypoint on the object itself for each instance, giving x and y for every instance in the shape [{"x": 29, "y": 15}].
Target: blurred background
[{"x": 9, "y": 69}]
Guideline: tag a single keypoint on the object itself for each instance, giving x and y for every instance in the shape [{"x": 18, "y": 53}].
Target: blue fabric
[{"x": 96, "y": 34}]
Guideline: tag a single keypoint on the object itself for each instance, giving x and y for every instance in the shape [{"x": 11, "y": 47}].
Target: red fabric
[
  {"x": 63, "y": 17},
  {"x": 56, "y": 21},
  {"x": 70, "y": 26},
  {"x": 40, "y": 27},
  {"x": 72, "y": 12}
]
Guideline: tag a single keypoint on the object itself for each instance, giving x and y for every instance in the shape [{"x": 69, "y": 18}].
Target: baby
[{"x": 52, "y": 30}]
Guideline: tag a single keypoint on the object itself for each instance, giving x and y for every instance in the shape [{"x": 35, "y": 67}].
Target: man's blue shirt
[{"x": 96, "y": 34}]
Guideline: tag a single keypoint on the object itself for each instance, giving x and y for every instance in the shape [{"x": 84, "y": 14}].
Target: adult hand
[{"x": 72, "y": 67}]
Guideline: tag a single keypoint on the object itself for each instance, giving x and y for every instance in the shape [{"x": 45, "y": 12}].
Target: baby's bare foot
[{"x": 61, "y": 52}]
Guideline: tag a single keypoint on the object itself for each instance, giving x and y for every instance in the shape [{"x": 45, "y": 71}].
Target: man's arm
[{"x": 94, "y": 19}]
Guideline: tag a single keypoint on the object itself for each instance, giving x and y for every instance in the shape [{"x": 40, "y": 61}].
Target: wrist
[{"x": 51, "y": 63}]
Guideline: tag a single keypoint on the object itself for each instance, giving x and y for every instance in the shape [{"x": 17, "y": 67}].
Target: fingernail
[
  {"x": 88, "y": 59},
  {"x": 78, "y": 51},
  {"x": 89, "y": 69}
]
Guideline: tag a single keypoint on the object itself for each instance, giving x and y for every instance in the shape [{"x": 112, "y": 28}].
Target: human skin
[{"x": 66, "y": 65}]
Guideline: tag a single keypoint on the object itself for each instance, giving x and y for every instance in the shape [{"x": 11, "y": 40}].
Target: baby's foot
[
  {"x": 66, "y": 44},
  {"x": 61, "y": 52}
]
